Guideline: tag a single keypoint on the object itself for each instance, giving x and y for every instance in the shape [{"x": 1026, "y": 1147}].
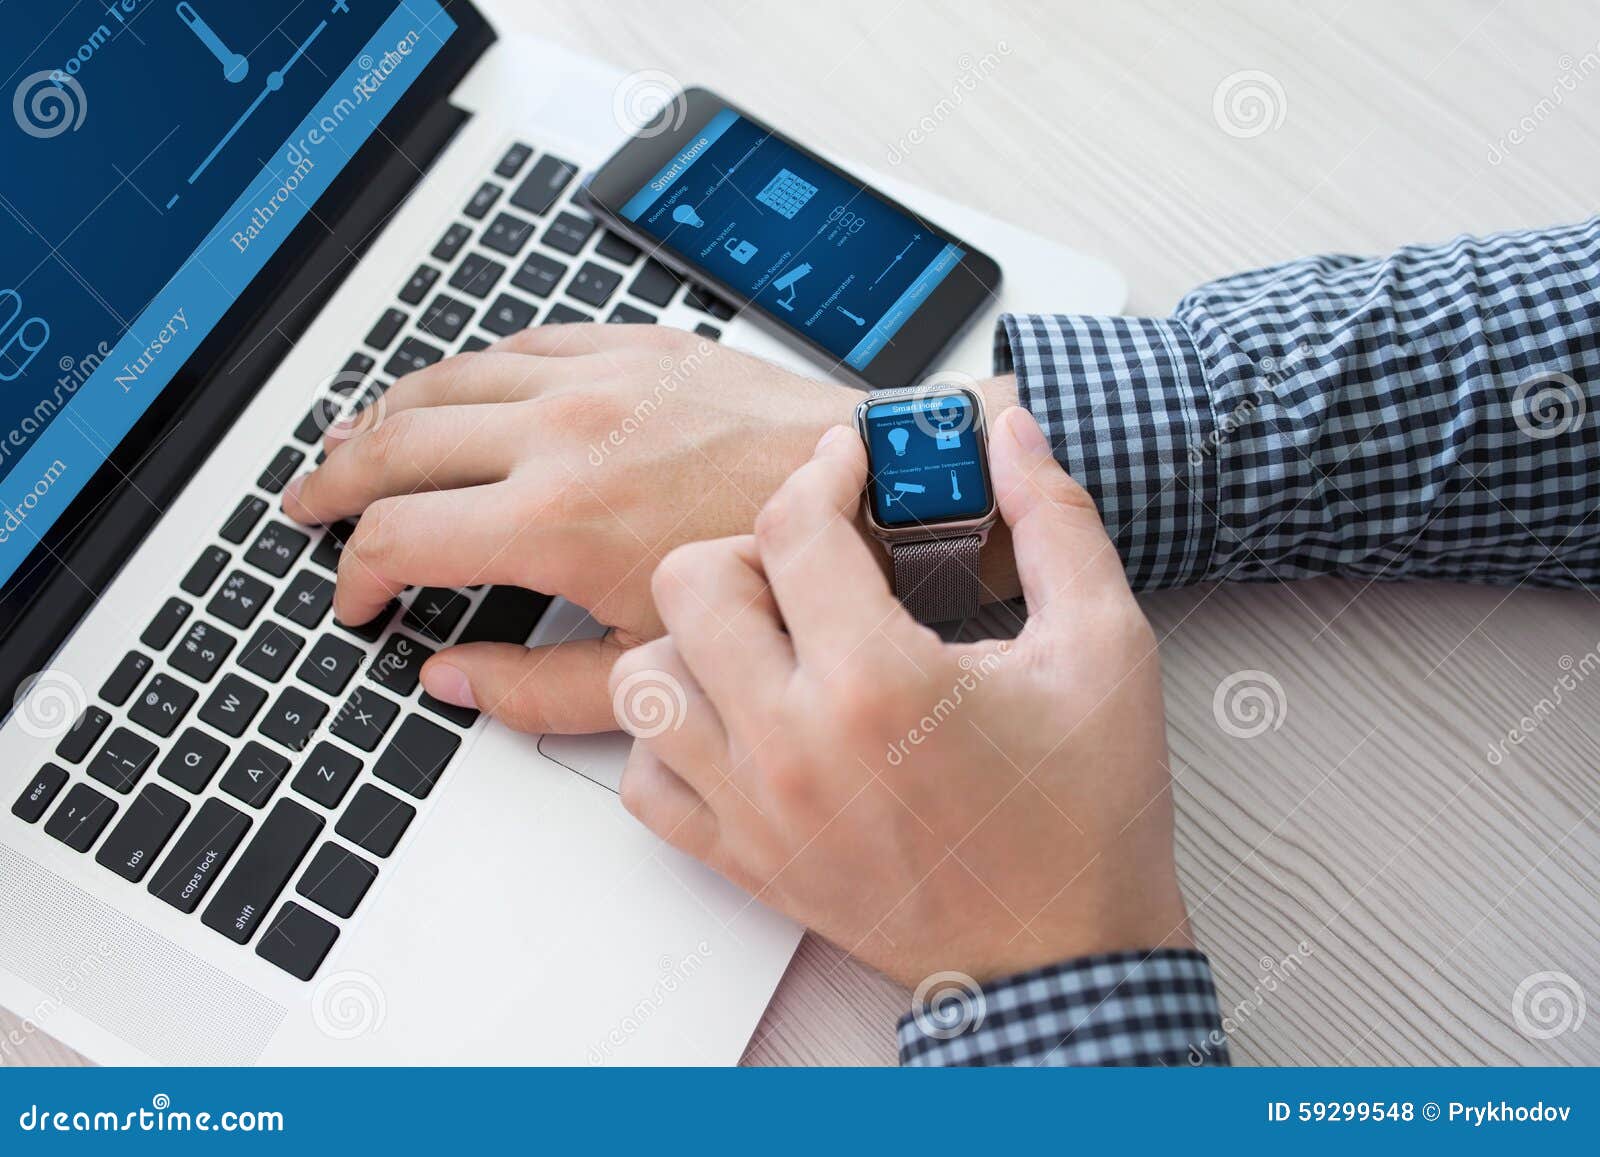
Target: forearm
[{"x": 1426, "y": 415}]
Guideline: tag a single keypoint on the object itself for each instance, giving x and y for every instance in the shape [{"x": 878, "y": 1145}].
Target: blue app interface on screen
[
  {"x": 925, "y": 463},
  {"x": 811, "y": 247},
  {"x": 160, "y": 151}
]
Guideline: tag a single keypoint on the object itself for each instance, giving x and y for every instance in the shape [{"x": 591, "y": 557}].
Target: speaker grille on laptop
[{"x": 138, "y": 986}]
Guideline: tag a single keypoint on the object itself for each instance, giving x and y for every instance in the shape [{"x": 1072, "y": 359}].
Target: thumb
[
  {"x": 1064, "y": 556},
  {"x": 558, "y": 689}
]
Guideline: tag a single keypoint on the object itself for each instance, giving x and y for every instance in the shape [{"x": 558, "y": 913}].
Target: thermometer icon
[{"x": 234, "y": 66}]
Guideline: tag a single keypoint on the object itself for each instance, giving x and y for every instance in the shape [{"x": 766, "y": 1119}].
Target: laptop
[{"x": 233, "y": 831}]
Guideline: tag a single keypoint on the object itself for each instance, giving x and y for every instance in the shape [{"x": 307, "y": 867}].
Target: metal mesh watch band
[{"x": 937, "y": 579}]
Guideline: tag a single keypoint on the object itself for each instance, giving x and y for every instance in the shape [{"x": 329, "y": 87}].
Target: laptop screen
[{"x": 155, "y": 156}]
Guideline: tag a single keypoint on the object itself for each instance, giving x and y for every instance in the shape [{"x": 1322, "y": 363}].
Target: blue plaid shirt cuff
[{"x": 1118, "y": 1008}]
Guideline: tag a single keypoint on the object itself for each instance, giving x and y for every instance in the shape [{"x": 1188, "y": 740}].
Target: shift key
[
  {"x": 262, "y": 871},
  {"x": 186, "y": 875}
]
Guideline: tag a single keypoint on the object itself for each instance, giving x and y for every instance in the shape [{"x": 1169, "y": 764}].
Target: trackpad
[{"x": 596, "y": 757}]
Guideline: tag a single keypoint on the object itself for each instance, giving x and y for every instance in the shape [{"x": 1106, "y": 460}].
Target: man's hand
[
  {"x": 565, "y": 459},
  {"x": 983, "y": 808}
]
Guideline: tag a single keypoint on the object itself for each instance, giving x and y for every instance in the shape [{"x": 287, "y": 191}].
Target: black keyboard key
[
  {"x": 507, "y": 234},
  {"x": 331, "y": 664},
  {"x": 375, "y": 820},
  {"x": 435, "y": 612},
  {"x": 625, "y": 314},
  {"x": 563, "y": 314},
  {"x": 282, "y": 467},
  {"x": 614, "y": 248},
  {"x": 292, "y": 719},
  {"x": 482, "y": 201},
  {"x": 396, "y": 667},
  {"x": 276, "y": 548},
  {"x": 349, "y": 379},
  {"x": 452, "y": 241},
  {"x": 254, "y": 774},
  {"x": 327, "y": 774},
  {"x": 655, "y": 284},
  {"x": 706, "y": 329},
  {"x": 382, "y": 335},
  {"x": 416, "y": 756},
  {"x": 544, "y": 184},
  {"x": 460, "y": 716},
  {"x": 506, "y": 615},
  {"x": 473, "y": 344},
  {"x": 507, "y": 315},
  {"x": 324, "y": 412},
  {"x": 82, "y": 816},
  {"x": 39, "y": 794},
  {"x": 476, "y": 275},
  {"x": 263, "y": 871},
  {"x": 244, "y": 518},
  {"x": 594, "y": 284},
  {"x": 332, "y": 544},
  {"x": 539, "y": 275},
  {"x": 306, "y": 599},
  {"x": 133, "y": 845},
  {"x": 568, "y": 233},
  {"x": 239, "y": 600},
  {"x": 337, "y": 880},
  {"x": 373, "y": 627},
  {"x": 414, "y": 354},
  {"x": 193, "y": 760},
  {"x": 122, "y": 761},
  {"x": 163, "y": 704},
  {"x": 203, "y": 650},
  {"x": 85, "y": 733},
  {"x": 120, "y": 684},
  {"x": 297, "y": 941},
  {"x": 172, "y": 615},
  {"x": 364, "y": 719},
  {"x": 233, "y": 705},
  {"x": 200, "y": 855},
  {"x": 417, "y": 287},
  {"x": 445, "y": 318},
  {"x": 271, "y": 651},
  {"x": 511, "y": 164},
  {"x": 705, "y": 301},
  {"x": 205, "y": 571}
]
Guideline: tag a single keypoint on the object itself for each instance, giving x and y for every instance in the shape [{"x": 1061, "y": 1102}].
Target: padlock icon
[{"x": 740, "y": 251}]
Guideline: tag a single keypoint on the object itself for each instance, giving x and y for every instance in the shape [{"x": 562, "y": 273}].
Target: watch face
[{"x": 926, "y": 462}]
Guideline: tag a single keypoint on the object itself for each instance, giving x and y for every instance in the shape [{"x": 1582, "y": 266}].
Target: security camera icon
[{"x": 20, "y": 342}]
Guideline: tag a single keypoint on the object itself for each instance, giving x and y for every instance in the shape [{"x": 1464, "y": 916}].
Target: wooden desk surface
[{"x": 1414, "y": 884}]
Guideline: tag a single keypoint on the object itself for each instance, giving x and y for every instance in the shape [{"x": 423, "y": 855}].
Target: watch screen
[{"x": 925, "y": 463}]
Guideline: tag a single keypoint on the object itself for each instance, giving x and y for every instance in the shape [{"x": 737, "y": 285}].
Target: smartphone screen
[{"x": 841, "y": 266}]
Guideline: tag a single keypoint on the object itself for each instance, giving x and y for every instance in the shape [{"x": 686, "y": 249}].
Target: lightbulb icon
[{"x": 898, "y": 437}]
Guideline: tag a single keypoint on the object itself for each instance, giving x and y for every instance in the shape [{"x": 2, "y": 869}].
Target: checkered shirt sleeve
[
  {"x": 1118, "y": 1008},
  {"x": 1430, "y": 414}
]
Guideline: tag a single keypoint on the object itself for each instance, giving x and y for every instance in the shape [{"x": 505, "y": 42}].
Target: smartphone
[{"x": 871, "y": 289}]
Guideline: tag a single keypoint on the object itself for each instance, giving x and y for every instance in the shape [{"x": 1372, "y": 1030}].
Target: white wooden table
[{"x": 1411, "y": 884}]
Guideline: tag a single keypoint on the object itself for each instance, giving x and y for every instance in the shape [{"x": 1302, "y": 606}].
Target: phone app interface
[
  {"x": 925, "y": 462},
  {"x": 812, "y": 248},
  {"x": 158, "y": 154}
]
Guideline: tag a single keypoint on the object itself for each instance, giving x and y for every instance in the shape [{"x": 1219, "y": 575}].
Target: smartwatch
[{"x": 928, "y": 497}]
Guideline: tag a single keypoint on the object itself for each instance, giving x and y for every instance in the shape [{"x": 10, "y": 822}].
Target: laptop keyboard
[{"x": 251, "y": 748}]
